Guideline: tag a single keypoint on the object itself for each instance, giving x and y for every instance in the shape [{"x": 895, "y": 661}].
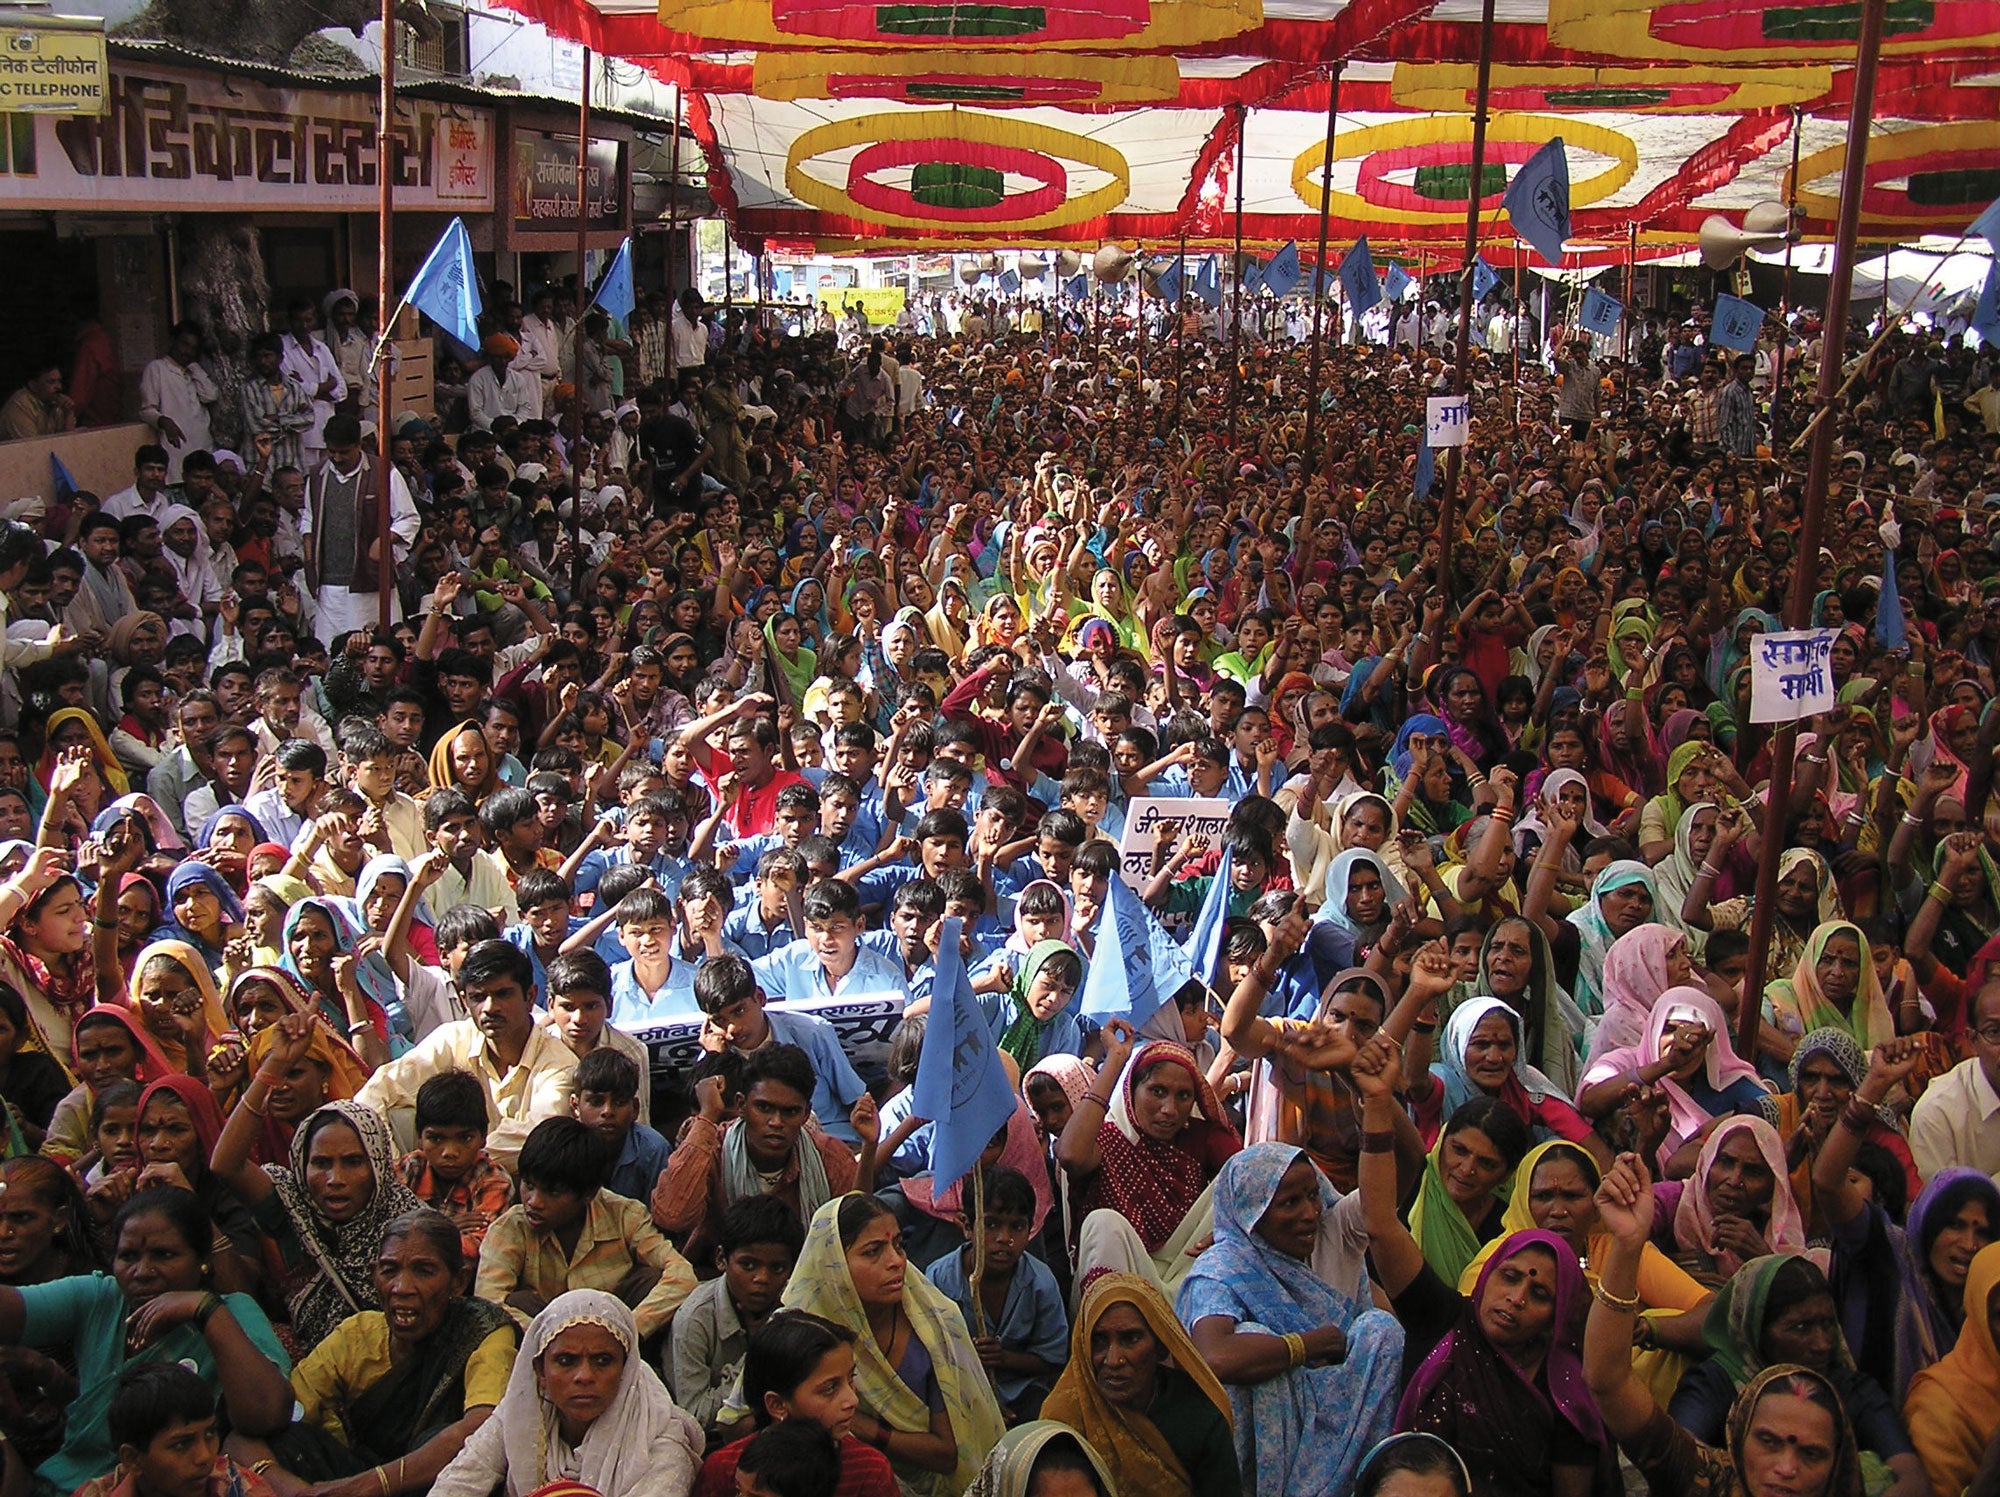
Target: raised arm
[
  {"x": 1076, "y": 1150},
  {"x": 1398, "y": 1259}
]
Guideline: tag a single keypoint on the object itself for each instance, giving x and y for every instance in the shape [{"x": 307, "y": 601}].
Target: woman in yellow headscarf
[
  {"x": 71, "y": 728},
  {"x": 1953, "y": 1407},
  {"x": 947, "y": 624},
  {"x": 173, "y": 992}
]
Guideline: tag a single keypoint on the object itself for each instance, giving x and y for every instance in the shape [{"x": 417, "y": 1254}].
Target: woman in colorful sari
[
  {"x": 359, "y": 995},
  {"x": 1953, "y": 1408},
  {"x": 301, "y": 1081},
  {"x": 391, "y": 1397},
  {"x": 1788, "y": 1434},
  {"x": 1641, "y": 964},
  {"x": 175, "y": 998},
  {"x": 70, "y": 728},
  {"x": 1735, "y": 1206},
  {"x": 202, "y": 911},
  {"x": 47, "y": 955},
  {"x": 178, "y": 1127},
  {"x": 1827, "y": 1069},
  {"x": 1517, "y": 967},
  {"x": 925, "y": 1399},
  {"x": 556, "y": 1430},
  {"x": 1687, "y": 1054},
  {"x": 1696, "y": 772},
  {"x": 1779, "y": 1310},
  {"x": 1463, "y": 1191},
  {"x": 1144, "y": 1145},
  {"x": 1833, "y": 986},
  {"x": 1361, "y": 894},
  {"x": 228, "y": 836},
  {"x": 1279, "y": 1308},
  {"x": 1622, "y": 898},
  {"x": 785, "y": 649},
  {"x": 1480, "y": 1056},
  {"x": 1141, "y": 1395},
  {"x": 1033, "y": 1458}
]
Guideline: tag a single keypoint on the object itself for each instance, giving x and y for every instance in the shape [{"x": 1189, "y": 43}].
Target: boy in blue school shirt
[
  {"x": 706, "y": 901},
  {"x": 855, "y": 755},
  {"x": 842, "y": 822},
  {"x": 830, "y": 961},
  {"x": 766, "y": 917},
  {"x": 947, "y": 787},
  {"x": 725, "y": 989},
  {"x": 543, "y": 898},
  {"x": 652, "y": 986},
  {"x": 794, "y": 817},
  {"x": 648, "y": 822},
  {"x": 918, "y": 906},
  {"x": 607, "y": 1100}
]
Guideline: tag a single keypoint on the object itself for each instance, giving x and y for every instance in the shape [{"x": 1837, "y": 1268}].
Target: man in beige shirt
[{"x": 527, "y": 1072}]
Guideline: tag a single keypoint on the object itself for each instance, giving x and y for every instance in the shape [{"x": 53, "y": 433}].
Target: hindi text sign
[{"x": 1791, "y": 675}]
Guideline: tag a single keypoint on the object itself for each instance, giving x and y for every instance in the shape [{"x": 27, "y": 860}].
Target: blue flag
[
  {"x": 1890, "y": 632},
  {"x": 1987, "y": 225},
  {"x": 1208, "y": 282},
  {"x": 65, "y": 485},
  {"x": 1600, "y": 313},
  {"x": 1283, "y": 273},
  {"x": 1986, "y": 316},
  {"x": 1204, "y": 943},
  {"x": 1397, "y": 283},
  {"x": 1136, "y": 965},
  {"x": 961, "y": 1085},
  {"x": 1252, "y": 278},
  {"x": 446, "y": 290},
  {"x": 1010, "y": 282},
  {"x": 1736, "y": 324},
  {"x": 1077, "y": 287},
  {"x": 1107, "y": 988},
  {"x": 1484, "y": 278},
  {"x": 1357, "y": 278},
  {"x": 1537, "y": 201},
  {"x": 614, "y": 292},
  {"x": 1167, "y": 286},
  {"x": 1427, "y": 466}
]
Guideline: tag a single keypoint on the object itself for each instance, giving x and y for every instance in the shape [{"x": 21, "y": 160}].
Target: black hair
[
  {"x": 564, "y": 1154},
  {"x": 452, "y": 1099},
  {"x": 729, "y": 1065},
  {"x": 1420, "y": 1454},
  {"x": 434, "y": 1226},
  {"x": 830, "y": 899},
  {"x": 856, "y": 1212},
  {"x": 920, "y": 894},
  {"x": 1796, "y": 1280},
  {"x": 1501, "y": 1125},
  {"x": 644, "y": 905},
  {"x": 1097, "y": 858},
  {"x": 722, "y": 981},
  {"x": 540, "y": 886},
  {"x": 446, "y": 802},
  {"x": 611, "y": 1072},
  {"x": 466, "y": 925},
  {"x": 578, "y": 972},
  {"x": 119, "y": 1093},
  {"x": 797, "y": 797},
  {"x": 300, "y": 753},
  {"x": 787, "y": 1065},
  {"x": 182, "y": 1210},
  {"x": 620, "y": 880},
  {"x": 783, "y": 1352},
  {"x": 760, "y": 1218},
  {"x": 495, "y": 961},
  {"x": 793, "y": 1459},
  {"x": 153, "y": 1397},
  {"x": 507, "y": 808},
  {"x": 1883, "y": 1169},
  {"x": 1008, "y": 1193}
]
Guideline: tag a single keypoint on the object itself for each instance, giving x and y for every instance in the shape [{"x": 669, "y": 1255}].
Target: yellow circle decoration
[
  {"x": 1906, "y": 146},
  {"x": 1456, "y": 130},
  {"x": 1002, "y": 131}
]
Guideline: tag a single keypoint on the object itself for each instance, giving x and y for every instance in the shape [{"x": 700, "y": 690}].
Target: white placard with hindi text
[
  {"x": 1446, "y": 418},
  {"x": 1147, "y": 815},
  {"x": 1791, "y": 675}
]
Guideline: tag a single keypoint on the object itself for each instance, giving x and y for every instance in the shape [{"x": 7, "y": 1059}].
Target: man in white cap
[{"x": 350, "y": 348}]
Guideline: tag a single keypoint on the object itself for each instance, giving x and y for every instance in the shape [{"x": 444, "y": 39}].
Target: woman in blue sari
[
  {"x": 1280, "y": 1308},
  {"x": 360, "y": 1001},
  {"x": 202, "y": 910}
]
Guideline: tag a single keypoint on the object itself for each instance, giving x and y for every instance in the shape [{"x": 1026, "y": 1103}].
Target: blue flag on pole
[
  {"x": 1253, "y": 276},
  {"x": 1204, "y": 943},
  {"x": 1357, "y": 278},
  {"x": 1736, "y": 324},
  {"x": 446, "y": 290},
  {"x": 1167, "y": 287},
  {"x": 1537, "y": 200},
  {"x": 59, "y": 476},
  {"x": 1077, "y": 287},
  {"x": 1283, "y": 273},
  {"x": 1107, "y": 988},
  {"x": 1484, "y": 278},
  {"x": 1890, "y": 631},
  {"x": 1427, "y": 465},
  {"x": 1987, "y": 225},
  {"x": 614, "y": 292},
  {"x": 1010, "y": 282},
  {"x": 1986, "y": 316},
  {"x": 1136, "y": 965},
  {"x": 961, "y": 1085},
  {"x": 1396, "y": 284},
  {"x": 1600, "y": 313},
  {"x": 1208, "y": 282}
]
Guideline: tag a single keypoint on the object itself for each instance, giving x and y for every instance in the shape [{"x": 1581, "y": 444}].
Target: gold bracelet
[
  {"x": 1942, "y": 895},
  {"x": 1612, "y": 1302},
  {"x": 1295, "y": 1348},
  {"x": 383, "y": 1477}
]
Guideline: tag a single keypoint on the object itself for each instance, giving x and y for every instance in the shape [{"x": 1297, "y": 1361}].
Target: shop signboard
[
  {"x": 49, "y": 67},
  {"x": 174, "y": 140},
  {"x": 544, "y": 181}
]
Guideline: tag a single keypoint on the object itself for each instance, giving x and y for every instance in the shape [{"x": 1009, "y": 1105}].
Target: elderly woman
[
  {"x": 1481, "y": 1057},
  {"x": 1827, "y": 1068},
  {"x": 1834, "y": 986},
  {"x": 582, "y": 1408},
  {"x": 925, "y": 1399},
  {"x": 1141, "y": 1395},
  {"x": 1788, "y": 1432},
  {"x": 1279, "y": 1307},
  {"x": 1736, "y": 1205},
  {"x": 1641, "y": 964},
  {"x": 391, "y": 1397},
  {"x": 1687, "y": 1056},
  {"x": 1622, "y": 898},
  {"x": 1144, "y": 1145}
]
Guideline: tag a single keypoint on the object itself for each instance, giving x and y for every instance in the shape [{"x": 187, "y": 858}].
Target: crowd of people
[{"x": 737, "y": 677}]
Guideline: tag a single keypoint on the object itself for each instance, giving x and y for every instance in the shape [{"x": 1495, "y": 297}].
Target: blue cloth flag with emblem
[
  {"x": 1167, "y": 287},
  {"x": 1358, "y": 279},
  {"x": 1484, "y": 278},
  {"x": 1135, "y": 966},
  {"x": 1204, "y": 942},
  {"x": 1537, "y": 200},
  {"x": 1397, "y": 283},
  {"x": 614, "y": 292},
  {"x": 1208, "y": 282},
  {"x": 1283, "y": 273},
  {"x": 960, "y": 1085},
  {"x": 1600, "y": 313},
  {"x": 445, "y": 289},
  {"x": 1736, "y": 324},
  {"x": 1987, "y": 225},
  {"x": 1010, "y": 282},
  {"x": 1986, "y": 316},
  {"x": 1890, "y": 631},
  {"x": 1077, "y": 287},
  {"x": 1253, "y": 276}
]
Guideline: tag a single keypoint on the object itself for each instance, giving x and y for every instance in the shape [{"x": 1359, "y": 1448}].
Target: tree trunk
[{"x": 224, "y": 288}]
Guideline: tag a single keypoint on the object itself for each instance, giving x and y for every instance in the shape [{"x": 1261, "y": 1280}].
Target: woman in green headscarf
[
  {"x": 1030, "y": 1020},
  {"x": 1833, "y": 986},
  {"x": 1462, "y": 1197},
  {"x": 1696, "y": 772},
  {"x": 1779, "y": 1309},
  {"x": 1630, "y": 638},
  {"x": 785, "y": 645}
]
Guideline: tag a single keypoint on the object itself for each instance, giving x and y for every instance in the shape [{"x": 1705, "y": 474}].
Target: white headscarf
[{"x": 642, "y": 1446}]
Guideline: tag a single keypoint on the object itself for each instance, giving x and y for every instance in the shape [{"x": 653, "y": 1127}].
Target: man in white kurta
[{"x": 338, "y": 526}]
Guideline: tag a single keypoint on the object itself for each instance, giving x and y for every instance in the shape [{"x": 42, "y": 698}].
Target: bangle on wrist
[
  {"x": 1295, "y": 1348},
  {"x": 205, "y": 1310},
  {"x": 1941, "y": 894},
  {"x": 1378, "y": 1141},
  {"x": 1910, "y": 819},
  {"x": 1612, "y": 1301}
]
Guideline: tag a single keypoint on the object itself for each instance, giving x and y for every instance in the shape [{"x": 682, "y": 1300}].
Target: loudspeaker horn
[
  {"x": 1766, "y": 226},
  {"x": 1112, "y": 262}
]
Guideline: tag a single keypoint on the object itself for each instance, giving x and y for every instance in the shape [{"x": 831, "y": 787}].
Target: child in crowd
[
  {"x": 568, "y": 1232},
  {"x": 579, "y": 1010},
  {"x": 768, "y": 917},
  {"x": 450, "y": 1170},
  {"x": 161, "y": 1417},
  {"x": 546, "y": 924},
  {"x": 794, "y": 1459},
  {"x": 759, "y": 1241},
  {"x": 1018, "y": 1305},
  {"x": 651, "y": 986},
  {"x": 727, "y": 993},
  {"x": 607, "y": 1099},
  {"x": 114, "y": 1135}
]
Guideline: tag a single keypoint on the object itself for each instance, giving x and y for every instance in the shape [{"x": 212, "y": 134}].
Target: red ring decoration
[
  {"x": 1374, "y": 186},
  {"x": 886, "y": 154},
  {"x": 1727, "y": 26},
  {"x": 1895, "y": 202}
]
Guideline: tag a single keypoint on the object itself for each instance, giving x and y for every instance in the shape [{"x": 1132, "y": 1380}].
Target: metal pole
[
  {"x": 1180, "y": 331},
  {"x": 1139, "y": 320},
  {"x": 1319, "y": 274},
  {"x": 1625, "y": 322},
  {"x": 673, "y": 223},
  {"x": 1236, "y": 291},
  {"x": 582, "y": 305},
  {"x": 1812, "y": 523},
  {"x": 1515, "y": 323},
  {"x": 1785, "y": 291},
  {"x": 1474, "y": 195},
  {"x": 385, "y": 584}
]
